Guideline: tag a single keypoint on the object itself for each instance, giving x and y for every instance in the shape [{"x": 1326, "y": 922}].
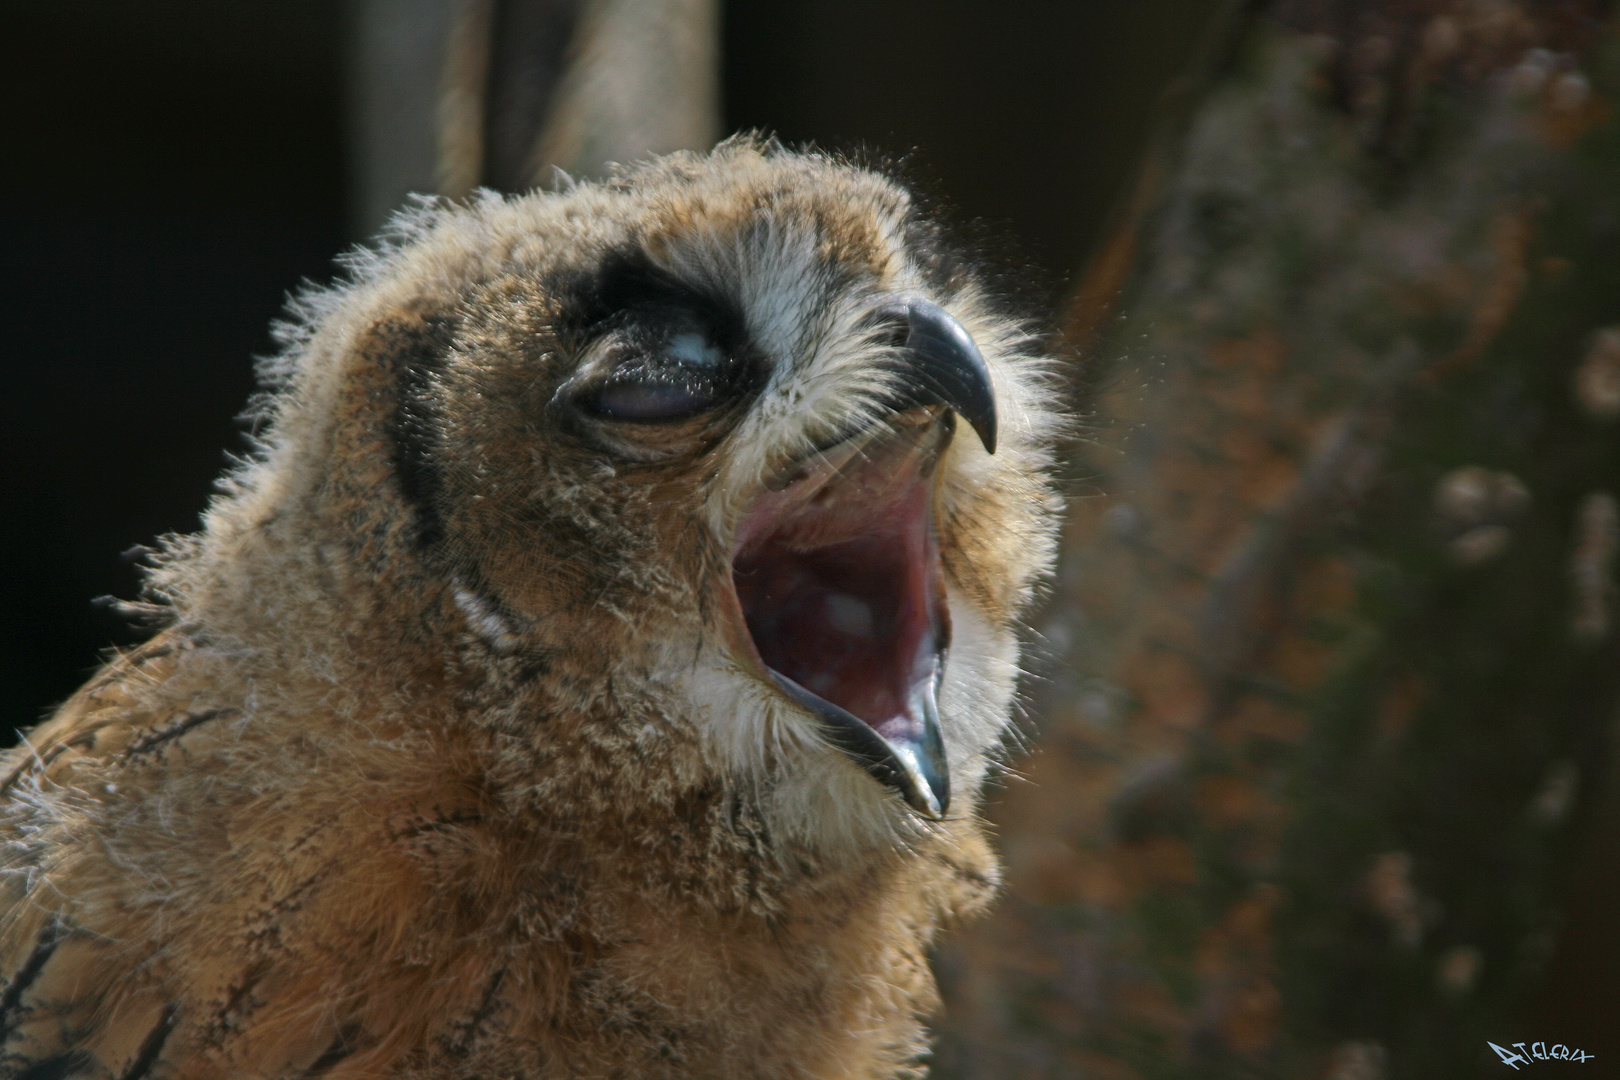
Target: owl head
[{"x": 728, "y": 450}]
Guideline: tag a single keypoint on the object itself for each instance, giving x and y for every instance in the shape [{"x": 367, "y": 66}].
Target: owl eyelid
[
  {"x": 629, "y": 379},
  {"x": 682, "y": 374},
  {"x": 653, "y": 399}
]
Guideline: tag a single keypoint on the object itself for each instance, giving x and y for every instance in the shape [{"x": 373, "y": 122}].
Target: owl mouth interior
[{"x": 838, "y": 576}]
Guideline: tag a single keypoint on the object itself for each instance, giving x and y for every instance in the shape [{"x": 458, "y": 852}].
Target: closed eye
[
  {"x": 658, "y": 395},
  {"x": 677, "y": 377}
]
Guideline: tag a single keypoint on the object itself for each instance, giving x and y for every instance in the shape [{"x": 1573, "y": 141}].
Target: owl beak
[
  {"x": 840, "y": 585},
  {"x": 836, "y": 569},
  {"x": 943, "y": 366},
  {"x": 913, "y": 766}
]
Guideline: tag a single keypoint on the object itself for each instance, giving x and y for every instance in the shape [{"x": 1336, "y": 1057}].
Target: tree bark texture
[{"x": 1331, "y": 669}]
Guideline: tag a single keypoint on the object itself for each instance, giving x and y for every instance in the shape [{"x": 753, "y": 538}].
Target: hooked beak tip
[{"x": 945, "y": 367}]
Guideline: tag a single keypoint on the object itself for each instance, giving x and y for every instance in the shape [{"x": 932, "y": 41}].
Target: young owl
[{"x": 591, "y": 674}]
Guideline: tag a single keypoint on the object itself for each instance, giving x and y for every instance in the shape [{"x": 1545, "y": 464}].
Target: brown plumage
[{"x": 480, "y": 738}]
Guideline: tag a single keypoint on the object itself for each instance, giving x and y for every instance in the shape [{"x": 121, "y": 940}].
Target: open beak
[{"x": 838, "y": 575}]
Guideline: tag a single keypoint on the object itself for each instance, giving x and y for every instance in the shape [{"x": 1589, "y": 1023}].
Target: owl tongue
[{"x": 838, "y": 576}]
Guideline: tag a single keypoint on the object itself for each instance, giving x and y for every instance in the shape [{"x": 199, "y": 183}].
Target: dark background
[{"x": 171, "y": 169}]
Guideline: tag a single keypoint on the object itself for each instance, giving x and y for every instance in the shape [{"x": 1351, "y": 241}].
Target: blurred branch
[
  {"x": 450, "y": 95},
  {"x": 644, "y": 79},
  {"x": 1110, "y": 266},
  {"x": 397, "y": 51}
]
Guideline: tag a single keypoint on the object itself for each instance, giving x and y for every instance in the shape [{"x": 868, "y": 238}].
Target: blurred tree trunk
[{"x": 1332, "y": 663}]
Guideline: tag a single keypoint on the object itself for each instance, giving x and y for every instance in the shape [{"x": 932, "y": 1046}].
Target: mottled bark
[{"x": 1331, "y": 663}]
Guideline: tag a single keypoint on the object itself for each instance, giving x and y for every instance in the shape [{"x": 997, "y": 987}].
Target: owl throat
[{"x": 838, "y": 576}]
